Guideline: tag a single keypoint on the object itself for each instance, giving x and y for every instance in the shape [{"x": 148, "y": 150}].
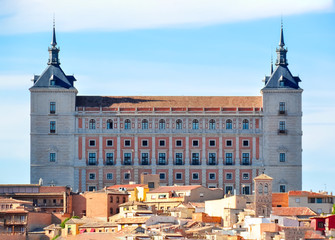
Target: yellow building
[{"x": 137, "y": 191}]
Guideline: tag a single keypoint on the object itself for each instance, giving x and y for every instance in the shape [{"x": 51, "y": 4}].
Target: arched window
[
  {"x": 145, "y": 124},
  {"x": 109, "y": 124},
  {"x": 92, "y": 124},
  {"x": 127, "y": 124},
  {"x": 245, "y": 124},
  {"x": 179, "y": 124},
  {"x": 212, "y": 124},
  {"x": 266, "y": 189},
  {"x": 229, "y": 124},
  {"x": 260, "y": 188},
  {"x": 195, "y": 124},
  {"x": 162, "y": 124}
]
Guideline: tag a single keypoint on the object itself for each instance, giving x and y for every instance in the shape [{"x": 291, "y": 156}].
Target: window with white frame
[
  {"x": 91, "y": 124},
  {"x": 212, "y": 143},
  {"x": 145, "y": 124},
  {"x": 229, "y": 143},
  {"x": 52, "y": 107},
  {"x": 245, "y": 176},
  {"x": 212, "y": 124},
  {"x": 127, "y": 124},
  {"x": 52, "y": 126},
  {"x": 195, "y": 143},
  {"x": 179, "y": 176},
  {"x": 145, "y": 159},
  {"x": 229, "y": 124},
  {"x": 195, "y": 124},
  {"x": 229, "y": 176},
  {"x": 212, "y": 159},
  {"x": 282, "y": 107},
  {"x": 195, "y": 159},
  {"x": 109, "y": 158},
  {"x": 92, "y": 159},
  {"x": 161, "y": 159},
  {"x": 92, "y": 176},
  {"x": 92, "y": 143},
  {"x": 162, "y": 124},
  {"x": 162, "y": 143},
  {"x": 126, "y": 175},
  {"x": 109, "y": 143},
  {"x": 109, "y": 176},
  {"x": 212, "y": 176},
  {"x": 195, "y": 176},
  {"x": 245, "y": 159},
  {"x": 245, "y": 143},
  {"x": 229, "y": 159},
  {"x": 52, "y": 157},
  {"x": 127, "y": 143},
  {"x": 179, "y": 143},
  {"x": 127, "y": 159},
  {"x": 179, "y": 124},
  {"x": 245, "y": 124},
  {"x": 162, "y": 176},
  {"x": 179, "y": 159}
]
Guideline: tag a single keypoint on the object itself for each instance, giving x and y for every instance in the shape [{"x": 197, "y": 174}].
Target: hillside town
[{"x": 147, "y": 210}]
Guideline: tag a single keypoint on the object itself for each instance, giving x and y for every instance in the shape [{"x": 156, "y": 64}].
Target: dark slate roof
[
  {"x": 56, "y": 73},
  {"x": 282, "y": 73}
]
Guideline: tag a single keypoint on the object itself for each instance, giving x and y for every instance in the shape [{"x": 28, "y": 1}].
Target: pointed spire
[
  {"x": 53, "y": 50},
  {"x": 271, "y": 71},
  {"x": 53, "y": 41},
  {"x": 281, "y": 41},
  {"x": 281, "y": 51}
]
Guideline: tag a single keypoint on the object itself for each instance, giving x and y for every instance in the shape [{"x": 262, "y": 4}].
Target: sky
[{"x": 175, "y": 47}]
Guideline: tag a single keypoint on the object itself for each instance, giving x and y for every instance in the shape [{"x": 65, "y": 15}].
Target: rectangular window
[
  {"x": 52, "y": 107},
  {"x": 245, "y": 176},
  {"x": 282, "y": 108},
  {"x": 127, "y": 143},
  {"x": 52, "y": 126},
  {"x": 179, "y": 143},
  {"x": 52, "y": 157},
  {"x": 229, "y": 176},
  {"x": 282, "y": 188},
  {"x": 229, "y": 143},
  {"x": 144, "y": 143},
  {"x": 229, "y": 159},
  {"x": 212, "y": 159},
  {"x": 212, "y": 143},
  {"x": 162, "y": 176},
  {"x": 92, "y": 160},
  {"x": 229, "y": 189},
  {"x": 109, "y": 143},
  {"x": 92, "y": 188},
  {"x": 127, "y": 159},
  {"x": 179, "y": 159},
  {"x": 245, "y": 143},
  {"x": 246, "y": 190},
  {"x": 212, "y": 176},
  {"x": 145, "y": 159},
  {"x": 162, "y": 196},
  {"x": 109, "y": 176},
  {"x": 179, "y": 176},
  {"x": 161, "y": 143},
  {"x": 282, "y": 125},
  {"x": 92, "y": 143},
  {"x": 195, "y": 176},
  {"x": 161, "y": 159},
  {"x": 282, "y": 157},
  {"x": 245, "y": 159},
  {"x": 92, "y": 176},
  {"x": 126, "y": 176},
  {"x": 195, "y": 143},
  {"x": 195, "y": 159},
  {"x": 109, "y": 159}
]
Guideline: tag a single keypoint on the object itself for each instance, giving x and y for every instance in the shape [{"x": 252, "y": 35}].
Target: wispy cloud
[{"x": 134, "y": 14}]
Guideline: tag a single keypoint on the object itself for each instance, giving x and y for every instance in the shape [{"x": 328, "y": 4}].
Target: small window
[
  {"x": 229, "y": 176},
  {"x": 127, "y": 124},
  {"x": 179, "y": 124},
  {"x": 127, "y": 143},
  {"x": 145, "y": 124},
  {"x": 161, "y": 143},
  {"x": 52, "y": 126},
  {"x": 91, "y": 124},
  {"x": 281, "y": 83},
  {"x": 92, "y": 176},
  {"x": 109, "y": 159},
  {"x": 52, "y": 157},
  {"x": 109, "y": 176},
  {"x": 179, "y": 176},
  {"x": 109, "y": 143},
  {"x": 162, "y": 124},
  {"x": 282, "y": 108},
  {"x": 246, "y": 190},
  {"x": 245, "y": 124},
  {"x": 282, "y": 125},
  {"x": 52, "y": 107},
  {"x": 151, "y": 185},
  {"x": 52, "y": 82},
  {"x": 144, "y": 143},
  {"x": 92, "y": 143},
  {"x": 126, "y": 176},
  {"x": 297, "y": 200},
  {"x": 195, "y": 143},
  {"x": 92, "y": 188},
  {"x": 282, "y": 157},
  {"x": 195, "y": 176},
  {"x": 212, "y": 176},
  {"x": 212, "y": 143},
  {"x": 212, "y": 124},
  {"x": 195, "y": 124},
  {"x": 111, "y": 211},
  {"x": 245, "y": 143},
  {"x": 179, "y": 143},
  {"x": 245, "y": 176},
  {"x": 229, "y": 124},
  {"x": 282, "y": 188},
  {"x": 109, "y": 124},
  {"x": 229, "y": 143},
  {"x": 162, "y": 176}
]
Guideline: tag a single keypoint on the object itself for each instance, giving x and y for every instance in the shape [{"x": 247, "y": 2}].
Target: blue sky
[{"x": 172, "y": 47}]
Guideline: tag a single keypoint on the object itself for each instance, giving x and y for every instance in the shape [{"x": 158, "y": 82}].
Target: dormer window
[
  {"x": 281, "y": 83},
  {"x": 52, "y": 82}
]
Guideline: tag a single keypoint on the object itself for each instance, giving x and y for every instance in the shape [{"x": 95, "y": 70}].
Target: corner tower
[
  {"x": 52, "y": 115},
  {"x": 282, "y": 130}
]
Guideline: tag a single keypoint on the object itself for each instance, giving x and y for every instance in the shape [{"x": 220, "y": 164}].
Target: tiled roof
[
  {"x": 11, "y": 200},
  {"x": 165, "y": 189},
  {"x": 308, "y": 194},
  {"x": 310, "y": 234},
  {"x": 168, "y": 101},
  {"x": 198, "y": 204},
  {"x": 126, "y": 186},
  {"x": 53, "y": 189},
  {"x": 132, "y": 203},
  {"x": 134, "y": 220},
  {"x": 293, "y": 211},
  {"x": 263, "y": 177}
]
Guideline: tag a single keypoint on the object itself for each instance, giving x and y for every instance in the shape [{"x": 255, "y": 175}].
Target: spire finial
[
  {"x": 281, "y": 51},
  {"x": 271, "y": 71},
  {"x": 281, "y": 41},
  {"x": 53, "y": 41}
]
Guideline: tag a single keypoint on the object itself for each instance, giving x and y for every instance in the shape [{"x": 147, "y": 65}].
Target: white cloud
[{"x": 134, "y": 14}]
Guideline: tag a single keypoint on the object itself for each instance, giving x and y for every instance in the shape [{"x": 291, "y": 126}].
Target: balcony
[
  {"x": 180, "y": 162},
  {"x": 195, "y": 162},
  {"x": 92, "y": 163},
  {"x": 281, "y": 112},
  {"x": 162, "y": 163},
  {"x": 282, "y": 131},
  {"x": 212, "y": 163},
  {"x": 144, "y": 162},
  {"x": 109, "y": 162},
  {"x": 228, "y": 163},
  {"x": 126, "y": 162},
  {"x": 245, "y": 162}
]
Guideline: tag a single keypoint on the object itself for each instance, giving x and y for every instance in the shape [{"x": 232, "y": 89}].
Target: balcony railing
[
  {"x": 195, "y": 162},
  {"x": 282, "y": 131},
  {"x": 212, "y": 163},
  {"x": 144, "y": 162},
  {"x": 282, "y": 112},
  {"x": 180, "y": 162},
  {"x": 245, "y": 162}
]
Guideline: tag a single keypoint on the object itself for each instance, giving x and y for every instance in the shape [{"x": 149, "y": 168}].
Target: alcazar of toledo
[{"x": 89, "y": 142}]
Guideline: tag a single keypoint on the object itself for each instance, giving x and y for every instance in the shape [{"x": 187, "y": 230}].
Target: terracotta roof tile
[
  {"x": 133, "y": 220},
  {"x": 308, "y": 194},
  {"x": 126, "y": 186},
  {"x": 263, "y": 176},
  {"x": 293, "y": 211},
  {"x": 168, "y": 101},
  {"x": 165, "y": 189},
  {"x": 310, "y": 234}
]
